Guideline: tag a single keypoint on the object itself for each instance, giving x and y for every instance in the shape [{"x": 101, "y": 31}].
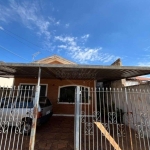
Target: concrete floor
[{"x": 57, "y": 134}]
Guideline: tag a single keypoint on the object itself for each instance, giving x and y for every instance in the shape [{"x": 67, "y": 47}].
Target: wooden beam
[{"x": 107, "y": 135}]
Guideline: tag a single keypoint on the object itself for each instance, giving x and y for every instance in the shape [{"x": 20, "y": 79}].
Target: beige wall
[
  {"x": 118, "y": 83},
  {"x": 136, "y": 102},
  {"x": 52, "y": 92},
  {"x": 6, "y": 82}
]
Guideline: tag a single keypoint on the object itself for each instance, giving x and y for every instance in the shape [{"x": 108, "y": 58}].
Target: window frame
[
  {"x": 89, "y": 101},
  {"x": 34, "y": 84}
]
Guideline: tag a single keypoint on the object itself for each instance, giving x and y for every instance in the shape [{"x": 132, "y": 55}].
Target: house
[
  {"x": 61, "y": 92},
  {"x": 60, "y": 77},
  {"x": 136, "y": 81},
  {"x": 78, "y": 91}
]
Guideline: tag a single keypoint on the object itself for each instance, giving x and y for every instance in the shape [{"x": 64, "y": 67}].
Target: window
[
  {"x": 67, "y": 94},
  {"x": 28, "y": 90}
]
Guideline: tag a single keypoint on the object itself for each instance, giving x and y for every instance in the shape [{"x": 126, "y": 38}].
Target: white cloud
[
  {"x": 144, "y": 63},
  {"x": 80, "y": 53},
  {"x": 57, "y": 23},
  {"x": 67, "y": 39},
  {"x": 1, "y": 28},
  {"x": 85, "y": 37},
  {"x": 147, "y": 48},
  {"x": 62, "y": 46},
  {"x": 67, "y": 25},
  {"x": 30, "y": 15}
]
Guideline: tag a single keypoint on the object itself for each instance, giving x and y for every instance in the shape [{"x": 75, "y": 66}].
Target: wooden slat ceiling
[{"x": 54, "y": 71}]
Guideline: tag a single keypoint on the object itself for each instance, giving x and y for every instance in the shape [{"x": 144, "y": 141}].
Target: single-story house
[
  {"x": 60, "y": 91},
  {"x": 59, "y": 78}
]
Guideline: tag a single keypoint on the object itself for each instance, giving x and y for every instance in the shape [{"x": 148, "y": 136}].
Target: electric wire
[
  {"x": 15, "y": 36},
  {"x": 13, "y": 53}
]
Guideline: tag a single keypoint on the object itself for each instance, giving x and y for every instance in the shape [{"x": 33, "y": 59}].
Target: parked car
[{"x": 19, "y": 112}]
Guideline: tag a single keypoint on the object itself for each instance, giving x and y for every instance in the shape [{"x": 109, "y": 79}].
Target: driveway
[{"x": 57, "y": 134}]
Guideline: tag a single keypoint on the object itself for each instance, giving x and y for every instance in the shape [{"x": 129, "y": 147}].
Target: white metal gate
[
  {"x": 112, "y": 119},
  {"x": 18, "y": 113}
]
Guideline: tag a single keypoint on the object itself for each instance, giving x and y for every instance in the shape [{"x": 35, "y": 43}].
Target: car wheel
[{"x": 26, "y": 126}]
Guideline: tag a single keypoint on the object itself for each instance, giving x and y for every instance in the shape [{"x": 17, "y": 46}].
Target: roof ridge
[{"x": 55, "y": 56}]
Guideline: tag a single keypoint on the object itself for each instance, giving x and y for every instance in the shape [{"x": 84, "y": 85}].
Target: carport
[{"x": 53, "y": 71}]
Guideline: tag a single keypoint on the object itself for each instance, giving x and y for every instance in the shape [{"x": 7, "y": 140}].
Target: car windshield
[
  {"x": 24, "y": 103},
  {"x": 6, "y": 102},
  {"x": 44, "y": 102}
]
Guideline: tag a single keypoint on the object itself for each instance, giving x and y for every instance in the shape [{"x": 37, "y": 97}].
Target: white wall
[
  {"x": 135, "y": 103},
  {"x": 6, "y": 82}
]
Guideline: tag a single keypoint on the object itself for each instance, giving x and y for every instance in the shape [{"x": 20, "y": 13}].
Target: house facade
[{"x": 61, "y": 92}]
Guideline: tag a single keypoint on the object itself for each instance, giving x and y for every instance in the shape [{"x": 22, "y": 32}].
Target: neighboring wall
[
  {"x": 135, "y": 103},
  {"x": 117, "y": 83},
  {"x": 6, "y": 82},
  {"x": 52, "y": 93}
]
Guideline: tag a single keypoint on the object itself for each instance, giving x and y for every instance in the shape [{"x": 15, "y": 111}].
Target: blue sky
[{"x": 83, "y": 31}]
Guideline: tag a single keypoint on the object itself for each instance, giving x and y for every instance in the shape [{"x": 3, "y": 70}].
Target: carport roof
[{"x": 73, "y": 71}]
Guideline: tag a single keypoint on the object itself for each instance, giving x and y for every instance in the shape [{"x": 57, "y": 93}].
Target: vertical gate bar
[
  {"x": 88, "y": 125},
  {"x": 10, "y": 138},
  {"x": 147, "y": 118},
  {"x": 4, "y": 117},
  {"x": 19, "y": 98},
  {"x": 35, "y": 111},
  {"x": 85, "y": 121},
  {"x": 107, "y": 114},
  {"x": 125, "y": 109},
  {"x": 117, "y": 121},
  {"x": 121, "y": 119},
  {"x": 135, "y": 114},
  {"x": 80, "y": 115},
  {"x": 2, "y": 109},
  {"x": 113, "y": 111},
  {"x": 121, "y": 97},
  {"x": 144, "y": 124},
  {"x": 130, "y": 101},
  {"x": 126, "y": 98},
  {"x": 7, "y": 113},
  {"x": 107, "y": 102},
  {"x": 77, "y": 118},
  {"x": 92, "y": 113},
  {"x": 105, "y": 124},
  {"x": 100, "y": 105},
  {"x": 138, "y": 108},
  {"x": 18, "y": 91},
  {"x": 96, "y": 113}
]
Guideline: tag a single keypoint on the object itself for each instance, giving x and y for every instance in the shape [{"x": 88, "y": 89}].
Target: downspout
[{"x": 35, "y": 112}]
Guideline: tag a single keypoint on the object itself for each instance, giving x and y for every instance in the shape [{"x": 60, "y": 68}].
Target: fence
[
  {"x": 124, "y": 114},
  {"x": 17, "y": 114}
]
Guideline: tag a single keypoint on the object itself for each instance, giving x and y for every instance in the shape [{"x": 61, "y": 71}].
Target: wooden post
[{"x": 107, "y": 135}]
